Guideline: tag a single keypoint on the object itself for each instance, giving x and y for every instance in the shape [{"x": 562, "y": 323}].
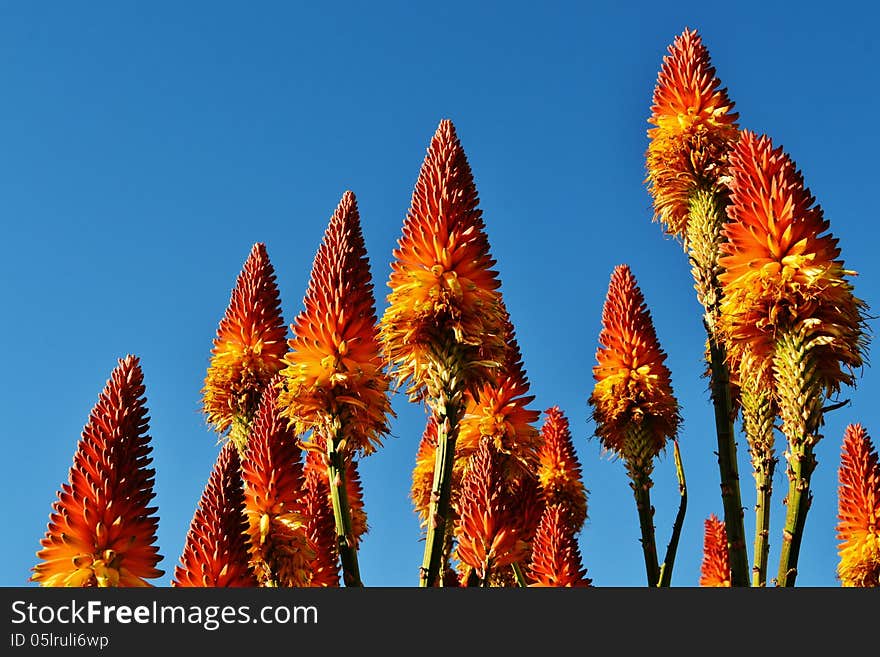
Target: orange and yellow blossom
[
  {"x": 559, "y": 471},
  {"x": 694, "y": 127},
  {"x": 102, "y": 531},
  {"x": 333, "y": 372},
  {"x": 782, "y": 269},
  {"x": 215, "y": 552},
  {"x": 715, "y": 567},
  {"x": 556, "y": 556},
  {"x": 272, "y": 471},
  {"x": 444, "y": 310},
  {"x": 858, "y": 515},
  {"x": 489, "y": 529},
  {"x": 633, "y": 403},
  {"x": 248, "y": 348}
]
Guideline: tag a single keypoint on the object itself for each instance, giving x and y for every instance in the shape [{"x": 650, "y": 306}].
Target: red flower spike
[
  {"x": 249, "y": 345},
  {"x": 559, "y": 470},
  {"x": 715, "y": 568},
  {"x": 334, "y": 367},
  {"x": 693, "y": 131},
  {"x": 215, "y": 553},
  {"x": 101, "y": 530},
  {"x": 556, "y": 557},
  {"x": 487, "y": 530},
  {"x": 444, "y": 309},
  {"x": 858, "y": 524},
  {"x": 272, "y": 471},
  {"x": 320, "y": 526}
]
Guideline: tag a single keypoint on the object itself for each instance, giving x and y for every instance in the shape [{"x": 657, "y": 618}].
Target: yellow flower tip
[
  {"x": 272, "y": 473},
  {"x": 633, "y": 386},
  {"x": 444, "y": 301},
  {"x": 215, "y": 553},
  {"x": 693, "y": 129},
  {"x": 249, "y": 345},
  {"x": 858, "y": 516},
  {"x": 715, "y": 567},
  {"x": 559, "y": 471},
  {"x": 334, "y": 368},
  {"x": 102, "y": 531},
  {"x": 556, "y": 556},
  {"x": 782, "y": 269}
]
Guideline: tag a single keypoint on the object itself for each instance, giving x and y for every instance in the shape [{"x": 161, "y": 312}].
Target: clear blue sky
[{"x": 146, "y": 146}]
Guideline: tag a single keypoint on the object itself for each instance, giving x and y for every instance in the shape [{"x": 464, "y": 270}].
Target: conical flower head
[
  {"x": 633, "y": 393},
  {"x": 858, "y": 495},
  {"x": 102, "y": 531},
  {"x": 782, "y": 270},
  {"x": 500, "y": 410},
  {"x": 249, "y": 345},
  {"x": 215, "y": 552},
  {"x": 715, "y": 567},
  {"x": 320, "y": 525},
  {"x": 694, "y": 127},
  {"x": 334, "y": 366},
  {"x": 444, "y": 306},
  {"x": 488, "y": 529},
  {"x": 272, "y": 471},
  {"x": 559, "y": 471},
  {"x": 556, "y": 556}
]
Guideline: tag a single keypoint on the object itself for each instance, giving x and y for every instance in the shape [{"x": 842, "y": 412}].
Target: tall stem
[
  {"x": 801, "y": 462},
  {"x": 447, "y": 413},
  {"x": 345, "y": 541},
  {"x": 640, "y": 473}
]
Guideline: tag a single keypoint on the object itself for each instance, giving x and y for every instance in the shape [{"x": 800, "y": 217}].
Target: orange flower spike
[
  {"x": 715, "y": 568},
  {"x": 559, "y": 470},
  {"x": 101, "y": 530},
  {"x": 782, "y": 269},
  {"x": 858, "y": 526},
  {"x": 215, "y": 552},
  {"x": 320, "y": 526},
  {"x": 487, "y": 529},
  {"x": 444, "y": 308},
  {"x": 272, "y": 471},
  {"x": 694, "y": 128},
  {"x": 556, "y": 557},
  {"x": 248, "y": 348},
  {"x": 334, "y": 366},
  {"x": 633, "y": 386}
]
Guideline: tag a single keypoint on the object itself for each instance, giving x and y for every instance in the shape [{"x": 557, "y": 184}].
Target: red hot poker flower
[
  {"x": 715, "y": 568},
  {"x": 215, "y": 552},
  {"x": 694, "y": 128},
  {"x": 248, "y": 348},
  {"x": 559, "y": 470},
  {"x": 556, "y": 557},
  {"x": 102, "y": 531},
  {"x": 858, "y": 525}
]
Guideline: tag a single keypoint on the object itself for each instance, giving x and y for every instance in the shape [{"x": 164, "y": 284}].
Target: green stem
[
  {"x": 764, "y": 492},
  {"x": 641, "y": 485},
  {"x": 727, "y": 462},
  {"x": 447, "y": 413},
  {"x": 345, "y": 541},
  {"x": 518, "y": 574},
  {"x": 671, "y": 549},
  {"x": 801, "y": 462}
]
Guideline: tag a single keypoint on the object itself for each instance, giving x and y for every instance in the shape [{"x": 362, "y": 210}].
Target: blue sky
[{"x": 147, "y": 146}]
